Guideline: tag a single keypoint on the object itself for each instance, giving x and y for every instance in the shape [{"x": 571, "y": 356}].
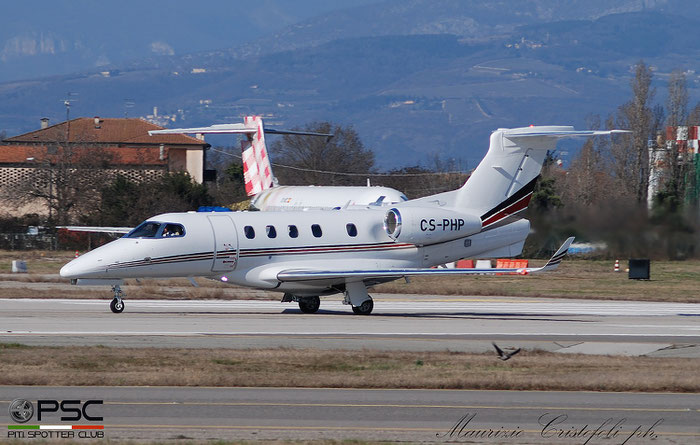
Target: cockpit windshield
[{"x": 154, "y": 229}]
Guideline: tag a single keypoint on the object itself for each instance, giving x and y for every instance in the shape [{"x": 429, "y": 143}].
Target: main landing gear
[
  {"x": 365, "y": 308},
  {"x": 308, "y": 305},
  {"x": 357, "y": 296},
  {"x": 117, "y": 304}
]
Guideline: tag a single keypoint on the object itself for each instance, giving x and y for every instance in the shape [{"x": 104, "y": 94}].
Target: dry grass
[
  {"x": 670, "y": 281},
  {"x": 576, "y": 278},
  {"x": 530, "y": 370}
]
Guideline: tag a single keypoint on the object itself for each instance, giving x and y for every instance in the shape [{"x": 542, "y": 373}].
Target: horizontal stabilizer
[
  {"x": 558, "y": 132},
  {"x": 213, "y": 129},
  {"x": 233, "y": 129},
  {"x": 357, "y": 275}
]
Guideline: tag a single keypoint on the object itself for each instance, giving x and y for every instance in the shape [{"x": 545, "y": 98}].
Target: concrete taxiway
[
  {"x": 406, "y": 415},
  {"x": 402, "y": 323}
]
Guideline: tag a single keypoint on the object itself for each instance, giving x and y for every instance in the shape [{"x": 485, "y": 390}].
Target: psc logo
[{"x": 22, "y": 410}]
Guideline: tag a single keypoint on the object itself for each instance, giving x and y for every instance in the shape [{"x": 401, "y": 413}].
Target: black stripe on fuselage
[
  {"x": 202, "y": 256},
  {"x": 515, "y": 197}
]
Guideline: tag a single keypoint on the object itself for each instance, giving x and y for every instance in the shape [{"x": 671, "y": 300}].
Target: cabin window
[
  {"x": 148, "y": 229},
  {"x": 249, "y": 232},
  {"x": 293, "y": 231},
  {"x": 172, "y": 230},
  {"x": 316, "y": 230},
  {"x": 352, "y": 229},
  {"x": 271, "y": 232}
]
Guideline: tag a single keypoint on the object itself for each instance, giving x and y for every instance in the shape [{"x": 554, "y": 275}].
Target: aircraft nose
[
  {"x": 70, "y": 270},
  {"x": 78, "y": 268}
]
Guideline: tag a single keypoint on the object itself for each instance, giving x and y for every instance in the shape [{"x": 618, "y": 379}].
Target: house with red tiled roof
[{"x": 125, "y": 143}]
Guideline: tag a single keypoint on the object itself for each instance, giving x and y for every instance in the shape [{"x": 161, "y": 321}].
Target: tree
[
  {"x": 677, "y": 101},
  {"x": 694, "y": 115},
  {"x": 629, "y": 153},
  {"x": 303, "y": 160},
  {"x": 65, "y": 179},
  {"x": 589, "y": 180},
  {"x": 126, "y": 203},
  {"x": 678, "y": 158},
  {"x": 229, "y": 187},
  {"x": 3, "y": 135}
]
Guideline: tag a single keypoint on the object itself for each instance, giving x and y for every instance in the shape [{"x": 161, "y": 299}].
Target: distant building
[
  {"x": 129, "y": 149},
  {"x": 687, "y": 141}
]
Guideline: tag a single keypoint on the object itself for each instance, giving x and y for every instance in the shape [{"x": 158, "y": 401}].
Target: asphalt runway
[
  {"x": 399, "y": 323},
  {"x": 406, "y": 415}
]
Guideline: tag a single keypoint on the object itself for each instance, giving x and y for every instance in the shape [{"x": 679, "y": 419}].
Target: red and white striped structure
[
  {"x": 685, "y": 137},
  {"x": 257, "y": 171}
]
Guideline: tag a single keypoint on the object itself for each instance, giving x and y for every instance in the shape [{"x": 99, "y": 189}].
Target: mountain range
[{"x": 416, "y": 78}]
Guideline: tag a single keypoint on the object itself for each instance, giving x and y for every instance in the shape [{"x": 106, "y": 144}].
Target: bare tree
[
  {"x": 629, "y": 153},
  {"x": 677, "y": 101},
  {"x": 66, "y": 179},
  {"x": 310, "y": 156},
  {"x": 679, "y": 159},
  {"x": 694, "y": 115}
]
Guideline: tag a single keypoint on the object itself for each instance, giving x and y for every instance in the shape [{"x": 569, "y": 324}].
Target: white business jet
[
  {"x": 262, "y": 187},
  {"x": 308, "y": 254}
]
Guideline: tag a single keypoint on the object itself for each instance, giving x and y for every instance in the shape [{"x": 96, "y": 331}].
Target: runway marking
[
  {"x": 384, "y": 405},
  {"x": 402, "y": 335},
  {"x": 345, "y": 428}
]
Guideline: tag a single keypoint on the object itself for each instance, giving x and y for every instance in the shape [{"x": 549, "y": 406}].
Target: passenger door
[{"x": 225, "y": 243}]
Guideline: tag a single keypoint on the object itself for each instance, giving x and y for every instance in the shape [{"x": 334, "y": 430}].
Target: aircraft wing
[
  {"x": 358, "y": 274},
  {"x": 95, "y": 229}
]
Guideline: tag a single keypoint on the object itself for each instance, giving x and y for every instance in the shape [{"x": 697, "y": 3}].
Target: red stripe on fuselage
[
  {"x": 330, "y": 249},
  {"x": 516, "y": 207}
]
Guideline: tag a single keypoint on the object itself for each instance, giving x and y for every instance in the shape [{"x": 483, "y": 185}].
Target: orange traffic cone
[
  {"x": 77, "y": 254},
  {"x": 617, "y": 266}
]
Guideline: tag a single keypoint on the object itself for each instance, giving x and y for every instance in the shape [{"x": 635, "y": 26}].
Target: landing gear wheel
[
  {"x": 117, "y": 306},
  {"x": 309, "y": 305},
  {"x": 365, "y": 308}
]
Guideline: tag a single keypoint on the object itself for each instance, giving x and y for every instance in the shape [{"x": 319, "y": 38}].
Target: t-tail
[
  {"x": 502, "y": 184},
  {"x": 499, "y": 189},
  {"x": 257, "y": 170}
]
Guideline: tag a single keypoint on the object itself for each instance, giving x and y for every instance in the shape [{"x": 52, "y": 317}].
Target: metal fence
[{"x": 24, "y": 241}]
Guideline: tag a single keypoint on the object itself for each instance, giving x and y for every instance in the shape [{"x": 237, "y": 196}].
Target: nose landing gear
[{"x": 117, "y": 304}]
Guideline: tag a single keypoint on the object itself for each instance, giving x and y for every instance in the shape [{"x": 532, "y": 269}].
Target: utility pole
[{"x": 128, "y": 103}]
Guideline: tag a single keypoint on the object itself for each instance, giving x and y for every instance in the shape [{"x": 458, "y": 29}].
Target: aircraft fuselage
[{"x": 251, "y": 248}]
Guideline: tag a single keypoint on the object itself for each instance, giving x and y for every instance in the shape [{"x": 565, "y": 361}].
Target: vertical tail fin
[
  {"x": 502, "y": 184},
  {"x": 257, "y": 170}
]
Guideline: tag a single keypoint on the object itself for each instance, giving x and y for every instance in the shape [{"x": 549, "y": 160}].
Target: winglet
[{"x": 553, "y": 262}]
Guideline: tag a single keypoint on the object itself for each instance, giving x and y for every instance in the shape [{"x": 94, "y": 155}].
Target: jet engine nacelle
[{"x": 425, "y": 225}]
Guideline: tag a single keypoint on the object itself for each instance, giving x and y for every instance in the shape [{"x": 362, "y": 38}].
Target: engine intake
[{"x": 425, "y": 225}]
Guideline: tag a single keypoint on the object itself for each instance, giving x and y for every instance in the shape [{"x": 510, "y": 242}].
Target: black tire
[
  {"x": 309, "y": 305},
  {"x": 117, "y": 306},
  {"x": 365, "y": 308}
]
